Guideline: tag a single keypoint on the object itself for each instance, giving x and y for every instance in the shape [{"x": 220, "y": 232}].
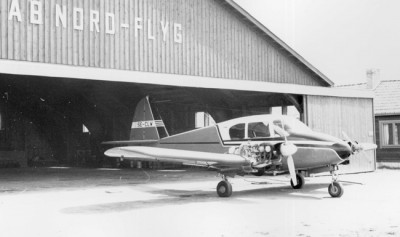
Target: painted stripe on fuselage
[{"x": 273, "y": 142}]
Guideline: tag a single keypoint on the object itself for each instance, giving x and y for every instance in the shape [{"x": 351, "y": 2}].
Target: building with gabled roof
[
  {"x": 71, "y": 73},
  {"x": 387, "y": 122},
  {"x": 387, "y": 118}
]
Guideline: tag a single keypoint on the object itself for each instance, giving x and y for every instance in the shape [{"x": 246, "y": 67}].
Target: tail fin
[{"x": 144, "y": 125}]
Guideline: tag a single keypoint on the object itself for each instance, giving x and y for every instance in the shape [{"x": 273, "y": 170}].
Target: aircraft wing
[
  {"x": 130, "y": 142},
  {"x": 174, "y": 155}
]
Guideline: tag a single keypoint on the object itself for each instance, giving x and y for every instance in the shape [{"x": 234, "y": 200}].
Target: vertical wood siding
[
  {"x": 216, "y": 41},
  {"x": 333, "y": 115}
]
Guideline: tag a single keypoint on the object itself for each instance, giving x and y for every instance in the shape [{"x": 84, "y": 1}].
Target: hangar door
[{"x": 354, "y": 116}]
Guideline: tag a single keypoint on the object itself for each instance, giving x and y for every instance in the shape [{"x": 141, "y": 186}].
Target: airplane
[{"x": 241, "y": 146}]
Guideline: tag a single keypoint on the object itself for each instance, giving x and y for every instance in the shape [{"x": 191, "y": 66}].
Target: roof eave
[
  {"x": 388, "y": 114},
  {"x": 260, "y": 26}
]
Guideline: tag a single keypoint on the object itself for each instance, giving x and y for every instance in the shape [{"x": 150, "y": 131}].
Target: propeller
[
  {"x": 367, "y": 146},
  {"x": 357, "y": 147},
  {"x": 287, "y": 149}
]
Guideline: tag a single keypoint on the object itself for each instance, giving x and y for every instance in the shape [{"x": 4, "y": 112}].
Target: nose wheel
[
  {"x": 224, "y": 188},
  {"x": 335, "y": 189}
]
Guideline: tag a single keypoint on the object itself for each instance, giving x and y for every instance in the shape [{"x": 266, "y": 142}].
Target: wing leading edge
[{"x": 174, "y": 155}]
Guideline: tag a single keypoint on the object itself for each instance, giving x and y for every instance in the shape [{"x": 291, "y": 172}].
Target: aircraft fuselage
[{"x": 314, "y": 149}]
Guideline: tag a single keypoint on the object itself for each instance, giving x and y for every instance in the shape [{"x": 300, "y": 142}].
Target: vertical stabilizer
[{"x": 144, "y": 125}]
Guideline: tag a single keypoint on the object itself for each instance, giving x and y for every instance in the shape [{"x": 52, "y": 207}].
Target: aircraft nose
[{"x": 343, "y": 150}]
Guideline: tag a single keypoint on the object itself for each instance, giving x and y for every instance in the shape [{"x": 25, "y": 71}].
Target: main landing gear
[
  {"x": 224, "y": 188},
  {"x": 335, "y": 189},
  {"x": 300, "y": 181}
]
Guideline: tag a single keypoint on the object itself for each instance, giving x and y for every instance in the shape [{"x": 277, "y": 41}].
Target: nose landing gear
[{"x": 335, "y": 189}]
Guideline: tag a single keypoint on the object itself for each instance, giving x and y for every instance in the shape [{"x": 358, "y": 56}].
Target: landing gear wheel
[
  {"x": 260, "y": 172},
  {"x": 335, "y": 189},
  {"x": 224, "y": 189},
  {"x": 300, "y": 181}
]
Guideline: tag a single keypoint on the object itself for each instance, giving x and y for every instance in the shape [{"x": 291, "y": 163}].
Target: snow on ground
[{"x": 89, "y": 202}]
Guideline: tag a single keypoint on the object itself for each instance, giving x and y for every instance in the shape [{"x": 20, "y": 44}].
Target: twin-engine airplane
[{"x": 247, "y": 145}]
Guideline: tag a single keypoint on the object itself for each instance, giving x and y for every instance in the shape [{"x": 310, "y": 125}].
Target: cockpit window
[
  {"x": 291, "y": 125},
  {"x": 236, "y": 132},
  {"x": 258, "y": 129}
]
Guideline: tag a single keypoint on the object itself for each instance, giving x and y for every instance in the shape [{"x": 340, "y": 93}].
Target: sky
[{"x": 341, "y": 38}]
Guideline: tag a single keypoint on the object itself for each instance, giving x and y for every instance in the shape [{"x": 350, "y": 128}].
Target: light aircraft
[{"x": 246, "y": 145}]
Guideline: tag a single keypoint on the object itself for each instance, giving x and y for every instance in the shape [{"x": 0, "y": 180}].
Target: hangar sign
[{"x": 78, "y": 18}]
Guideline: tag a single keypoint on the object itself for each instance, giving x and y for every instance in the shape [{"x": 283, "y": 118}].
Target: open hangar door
[
  {"x": 63, "y": 121},
  {"x": 178, "y": 106},
  {"x": 57, "y": 121}
]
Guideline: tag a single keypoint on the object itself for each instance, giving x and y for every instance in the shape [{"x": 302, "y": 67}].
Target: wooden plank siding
[
  {"x": 391, "y": 154},
  {"x": 332, "y": 115},
  {"x": 216, "y": 41}
]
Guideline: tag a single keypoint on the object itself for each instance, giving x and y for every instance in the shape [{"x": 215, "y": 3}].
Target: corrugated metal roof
[
  {"x": 271, "y": 35},
  {"x": 387, "y": 98}
]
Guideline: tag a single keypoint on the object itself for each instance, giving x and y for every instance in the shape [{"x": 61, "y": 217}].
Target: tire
[
  {"x": 224, "y": 189},
  {"x": 300, "y": 182},
  {"x": 335, "y": 189}
]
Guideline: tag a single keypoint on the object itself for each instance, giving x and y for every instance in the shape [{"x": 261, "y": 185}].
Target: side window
[
  {"x": 258, "y": 129},
  {"x": 236, "y": 132}
]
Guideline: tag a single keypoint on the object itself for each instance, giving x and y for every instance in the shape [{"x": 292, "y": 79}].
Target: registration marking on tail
[{"x": 148, "y": 124}]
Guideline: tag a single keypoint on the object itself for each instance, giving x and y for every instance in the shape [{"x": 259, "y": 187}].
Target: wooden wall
[
  {"x": 385, "y": 154},
  {"x": 215, "y": 41},
  {"x": 354, "y": 116}
]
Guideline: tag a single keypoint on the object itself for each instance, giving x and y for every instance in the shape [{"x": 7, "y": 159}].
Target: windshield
[{"x": 292, "y": 125}]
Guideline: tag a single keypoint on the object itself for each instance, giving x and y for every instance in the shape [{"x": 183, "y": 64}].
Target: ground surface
[{"x": 89, "y": 202}]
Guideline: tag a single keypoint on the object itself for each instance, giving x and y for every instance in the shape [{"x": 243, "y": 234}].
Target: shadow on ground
[{"x": 182, "y": 197}]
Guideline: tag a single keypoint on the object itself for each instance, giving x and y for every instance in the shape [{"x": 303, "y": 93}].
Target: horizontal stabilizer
[{"x": 175, "y": 155}]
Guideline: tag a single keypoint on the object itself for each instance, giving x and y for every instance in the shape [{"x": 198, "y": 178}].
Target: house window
[{"x": 389, "y": 133}]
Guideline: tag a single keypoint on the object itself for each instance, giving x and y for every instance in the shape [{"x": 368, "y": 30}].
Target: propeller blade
[
  {"x": 346, "y": 137},
  {"x": 367, "y": 146},
  {"x": 292, "y": 170}
]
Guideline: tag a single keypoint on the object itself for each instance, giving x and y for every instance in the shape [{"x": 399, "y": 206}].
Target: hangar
[{"x": 72, "y": 71}]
